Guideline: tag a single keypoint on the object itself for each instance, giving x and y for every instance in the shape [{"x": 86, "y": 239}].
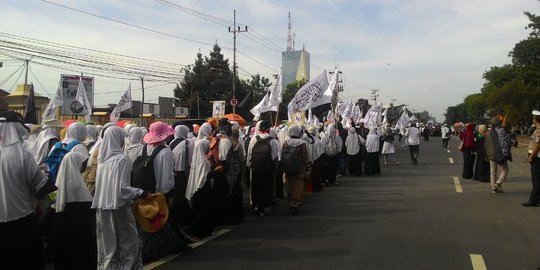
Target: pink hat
[{"x": 159, "y": 131}]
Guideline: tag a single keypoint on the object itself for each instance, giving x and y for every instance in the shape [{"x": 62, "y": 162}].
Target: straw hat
[
  {"x": 159, "y": 131},
  {"x": 151, "y": 213}
]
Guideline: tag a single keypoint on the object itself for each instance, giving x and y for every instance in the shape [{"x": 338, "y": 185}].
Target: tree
[
  {"x": 455, "y": 114},
  {"x": 476, "y": 107},
  {"x": 208, "y": 79}
]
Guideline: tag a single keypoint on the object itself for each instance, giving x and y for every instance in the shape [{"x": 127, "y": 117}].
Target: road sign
[{"x": 234, "y": 102}]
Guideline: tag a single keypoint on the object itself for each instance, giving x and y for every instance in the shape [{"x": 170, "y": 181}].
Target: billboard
[
  {"x": 181, "y": 111},
  {"x": 151, "y": 108},
  {"x": 166, "y": 108},
  {"x": 69, "y": 91}
]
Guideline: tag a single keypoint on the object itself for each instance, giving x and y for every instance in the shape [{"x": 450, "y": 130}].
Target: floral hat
[{"x": 159, "y": 131}]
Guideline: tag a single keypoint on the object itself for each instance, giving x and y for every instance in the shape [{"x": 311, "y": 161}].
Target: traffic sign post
[{"x": 234, "y": 102}]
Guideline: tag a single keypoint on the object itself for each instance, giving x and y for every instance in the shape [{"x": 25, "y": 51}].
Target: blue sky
[{"x": 427, "y": 54}]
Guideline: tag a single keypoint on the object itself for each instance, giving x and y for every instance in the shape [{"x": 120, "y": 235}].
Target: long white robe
[{"x": 200, "y": 167}]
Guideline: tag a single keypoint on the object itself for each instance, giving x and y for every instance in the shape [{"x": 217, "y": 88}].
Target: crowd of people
[
  {"x": 115, "y": 196},
  {"x": 487, "y": 151},
  {"x": 119, "y": 195}
]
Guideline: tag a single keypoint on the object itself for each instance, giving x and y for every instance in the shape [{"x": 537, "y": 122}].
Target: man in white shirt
[
  {"x": 413, "y": 140},
  {"x": 445, "y": 134}
]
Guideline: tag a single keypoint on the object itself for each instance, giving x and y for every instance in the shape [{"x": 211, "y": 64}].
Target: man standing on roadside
[
  {"x": 445, "y": 134},
  {"x": 534, "y": 160}
]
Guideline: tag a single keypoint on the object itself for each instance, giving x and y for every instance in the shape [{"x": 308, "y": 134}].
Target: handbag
[{"x": 460, "y": 147}]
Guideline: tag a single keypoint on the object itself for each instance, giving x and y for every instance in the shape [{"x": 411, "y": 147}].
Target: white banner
[
  {"x": 373, "y": 117},
  {"x": 56, "y": 101},
  {"x": 218, "y": 109},
  {"x": 403, "y": 121},
  {"x": 264, "y": 105},
  {"x": 311, "y": 95},
  {"x": 123, "y": 104},
  {"x": 83, "y": 99},
  {"x": 275, "y": 94}
]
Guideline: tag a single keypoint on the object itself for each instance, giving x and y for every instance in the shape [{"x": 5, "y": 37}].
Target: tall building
[{"x": 295, "y": 64}]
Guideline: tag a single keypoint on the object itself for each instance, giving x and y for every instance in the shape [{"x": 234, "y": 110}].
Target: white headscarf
[
  {"x": 75, "y": 131},
  {"x": 91, "y": 134},
  {"x": 199, "y": 168},
  {"x": 204, "y": 131},
  {"x": 113, "y": 176},
  {"x": 135, "y": 145},
  {"x": 353, "y": 142},
  {"x": 111, "y": 145},
  {"x": 181, "y": 132},
  {"x": 179, "y": 152},
  {"x": 295, "y": 131},
  {"x": 372, "y": 141},
  {"x": 41, "y": 146},
  {"x": 315, "y": 149},
  {"x": 70, "y": 183},
  {"x": 20, "y": 177}
]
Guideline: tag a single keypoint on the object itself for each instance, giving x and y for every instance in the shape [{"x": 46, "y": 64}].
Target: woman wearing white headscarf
[
  {"x": 74, "y": 233},
  {"x": 117, "y": 236},
  {"x": 332, "y": 146},
  {"x": 372, "y": 157},
  {"x": 262, "y": 179},
  {"x": 76, "y": 132},
  {"x": 353, "y": 144},
  {"x": 91, "y": 136},
  {"x": 199, "y": 192},
  {"x": 296, "y": 182},
  {"x": 388, "y": 146},
  {"x": 49, "y": 135},
  {"x": 21, "y": 181},
  {"x": 204, "y": 131},
  {"x": 182, "y": 150},
  {"x": 133, "y": 150}
]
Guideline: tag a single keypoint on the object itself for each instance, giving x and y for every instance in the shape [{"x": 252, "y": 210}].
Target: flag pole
[{"x": 277, "y": 116}]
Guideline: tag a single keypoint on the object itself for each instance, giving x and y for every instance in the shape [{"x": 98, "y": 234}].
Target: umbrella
[
  {"x": 236, "y": 118},
  {"x": 69, "y": 122}
]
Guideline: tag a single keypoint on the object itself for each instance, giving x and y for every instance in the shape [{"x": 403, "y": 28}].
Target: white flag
[
  {"x": 264, "y": 105},
  {"x": 373, "y": 117},
  {"x": 124, "y": 104},
  {"x": 56, "y": 101},
  {"x": 218, "y": 109},
  {"x": 311, "y": 95},
  {"x": 83, "y": 99},
  {"x": 275, "y": 94},
  {"x": 403, "y": 121}
]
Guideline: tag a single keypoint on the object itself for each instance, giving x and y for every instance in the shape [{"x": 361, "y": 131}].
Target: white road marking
[
  {"x": 451, "y": 160},
  {"x": 458, "y": 185},
  {"x": 478, "y": 262},
  {"x": 197, "y": 244},
  {"x": 448, "y": 150}
]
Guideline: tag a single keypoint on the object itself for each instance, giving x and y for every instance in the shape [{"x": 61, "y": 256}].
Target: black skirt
[
  {"x": 372, "y": 164},
  {"x": 75, "y": 239}
]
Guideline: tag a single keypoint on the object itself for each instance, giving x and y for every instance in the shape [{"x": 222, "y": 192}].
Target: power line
[{"x": 130, "y": 24}]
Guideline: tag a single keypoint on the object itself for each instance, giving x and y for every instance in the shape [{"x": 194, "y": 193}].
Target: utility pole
[
  {"x": 142, "y": 101},
  {"x": 26, "y": 74},
  {"x": 234, "y": 31},
  {"x": 374, "y": 95}
]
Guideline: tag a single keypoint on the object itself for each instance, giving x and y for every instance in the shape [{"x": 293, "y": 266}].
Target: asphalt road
[{"x": 410, "y": 217}]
